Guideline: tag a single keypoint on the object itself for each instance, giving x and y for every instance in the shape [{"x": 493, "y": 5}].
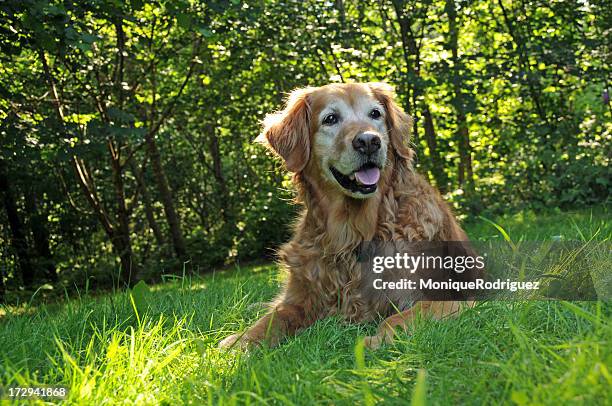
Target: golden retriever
[{"x": 347, "y": 146}]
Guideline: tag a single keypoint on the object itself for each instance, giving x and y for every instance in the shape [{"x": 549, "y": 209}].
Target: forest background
[{"x": 127, "y": 128}]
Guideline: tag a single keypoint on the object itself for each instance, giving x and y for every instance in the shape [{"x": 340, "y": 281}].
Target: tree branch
[{"x": 170, "y": 106}]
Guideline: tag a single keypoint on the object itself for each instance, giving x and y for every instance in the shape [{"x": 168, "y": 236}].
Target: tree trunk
[
  {"x": 172, "y": 217},
  {"x": 118, "y": 234},
  {"x": 465, "y": 172},
  {"x": 407, "y": 49},
  {"x": 38, "y": 226},
  {"x": 2, "y": 287},
  {"x": 218, "y": 169},
  {"x": 410, "y": 48},
  {"x": 437, "y": 166},
  {"x": 342, "y": 11},
  {"x": 146, "y": 200},
  {"x": 18, "y": 237},
  {"x": 161, "y": 180},
  {"x": 523, "y": 59},
  {"x": 121, "y": 237}
]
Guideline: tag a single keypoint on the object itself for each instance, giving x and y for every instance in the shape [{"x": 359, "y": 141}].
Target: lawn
[{"x": 159, "y": 346}]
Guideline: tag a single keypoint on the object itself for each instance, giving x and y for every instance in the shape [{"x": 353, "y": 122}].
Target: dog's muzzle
[{"x": 364, "y": 180}]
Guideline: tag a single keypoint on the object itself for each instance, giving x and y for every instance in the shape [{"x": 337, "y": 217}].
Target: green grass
[{"x": 508, "y": 353}]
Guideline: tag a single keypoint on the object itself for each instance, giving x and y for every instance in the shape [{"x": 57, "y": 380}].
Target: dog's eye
[
  {"x": 330, "y": 119},
  {"x": 375, "y": 114}
]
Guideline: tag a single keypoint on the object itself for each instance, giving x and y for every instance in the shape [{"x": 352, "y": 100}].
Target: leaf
[
  {"x": 205, "y": 32},
  {"x": 127, "y": 133},
  {"x": 360, "y": 362},
  {"x": 139, "y": 295},
  {"x": 419, "y": 394},
  {"x": 183, "y": 20},
  {"x": 120, "y": 116},
  {"x": 501, "y": 230},
  {"x": 360, "y": 354},
  {"x": 89, "y": 38},
  {"x": 84, "y": 47}
]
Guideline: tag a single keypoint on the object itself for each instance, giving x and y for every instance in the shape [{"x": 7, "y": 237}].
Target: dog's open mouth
[{"x": 364, "y": 180}]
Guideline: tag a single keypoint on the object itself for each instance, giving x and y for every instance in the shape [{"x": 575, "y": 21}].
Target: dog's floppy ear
[
  {"x": 399, "y": 123},
  {"x": 288, "y": 132}
]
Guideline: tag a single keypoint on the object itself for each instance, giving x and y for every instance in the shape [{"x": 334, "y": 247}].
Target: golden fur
[{"x": 324, "y": 277}]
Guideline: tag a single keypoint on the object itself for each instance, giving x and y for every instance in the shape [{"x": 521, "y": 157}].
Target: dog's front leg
[
  {"x": 435, "y": 309},
  {"x": 281, "y": 321}
]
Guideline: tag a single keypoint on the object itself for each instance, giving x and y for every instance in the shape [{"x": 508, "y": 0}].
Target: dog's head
[{"x": 342, "y": 135}]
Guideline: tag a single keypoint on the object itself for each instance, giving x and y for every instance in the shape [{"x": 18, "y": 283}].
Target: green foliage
[{"x": 518, "y": 96}]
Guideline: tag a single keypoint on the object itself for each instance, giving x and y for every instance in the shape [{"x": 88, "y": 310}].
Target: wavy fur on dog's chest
[
  {"x": 338, "y": 288},
  {"x": 322, "y": 260}
]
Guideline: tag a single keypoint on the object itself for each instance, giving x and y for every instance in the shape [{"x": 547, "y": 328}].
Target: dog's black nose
[{"x": 366, "y": 143}]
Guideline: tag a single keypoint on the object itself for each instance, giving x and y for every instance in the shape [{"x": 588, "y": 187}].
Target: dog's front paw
[
  {"x": 375, "y": 342},
  {"x": 232, "y": 341},
  {"x": 238, "y": 340},
  {"x": 372, "y": 342}
]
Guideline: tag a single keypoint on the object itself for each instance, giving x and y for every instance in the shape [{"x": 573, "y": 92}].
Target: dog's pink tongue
[{"x": 368, "y": 176}]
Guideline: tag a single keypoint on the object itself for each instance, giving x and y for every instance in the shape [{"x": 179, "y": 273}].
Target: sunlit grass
[{"x": 161, "y": 347}]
